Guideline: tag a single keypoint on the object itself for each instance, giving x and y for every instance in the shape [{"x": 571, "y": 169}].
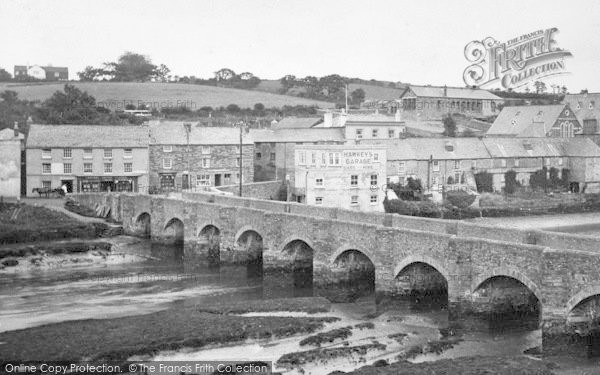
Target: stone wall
[{"x": 260, "y": 190}]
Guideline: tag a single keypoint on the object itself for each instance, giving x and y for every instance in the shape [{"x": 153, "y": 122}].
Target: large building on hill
[
  {"x": 87, "y": 158},
  {"x": 557, "y": 120},
  {"x": 434, "y": 102},
  {"x": 48, "y": 73},
  {"x": 186, "y": 155}
]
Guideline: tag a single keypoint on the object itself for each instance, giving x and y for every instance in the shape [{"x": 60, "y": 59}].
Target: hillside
[
  {"x": 372, "y": 92},
  {"x": 165, "y": 94}
]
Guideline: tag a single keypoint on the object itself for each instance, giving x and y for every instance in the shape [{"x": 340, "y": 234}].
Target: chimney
[
  {"x": 328, "y": 119},
  {"x": 16, "y": 128},
  {"x": 445, "y": 91}
]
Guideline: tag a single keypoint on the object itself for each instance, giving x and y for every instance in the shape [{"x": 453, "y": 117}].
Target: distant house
[
  {"x": 586, "y": 108},
  {"x": 536, "y": 121},
  {"x": 48, "y": 73},
  {"x": 433, "y": 102}
]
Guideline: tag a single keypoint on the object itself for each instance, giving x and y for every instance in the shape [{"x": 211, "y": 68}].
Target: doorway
[
  {"x": 217, "y": 180},
  {"x": 68, "y": 184},
  {"x": 185, "y": 181}
]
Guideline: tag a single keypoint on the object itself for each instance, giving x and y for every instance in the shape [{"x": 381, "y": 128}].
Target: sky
[{"x": 420, "y": 42}]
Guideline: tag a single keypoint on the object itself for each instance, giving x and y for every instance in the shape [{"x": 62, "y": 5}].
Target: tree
[
  {"x": 9, "y": 97},
  {"x": 540, "y": 87},
  {"x": 162, "y": 72},
  {"x": 484, "y": 182},
  {"x": 71, "y": 106},
  {"x": 564, "y": 90},
  {"x": 224, "y": 74},
  {"x": 287, "y": 82},
  {"x": 358, "y": 96},
  {"x": 4, "y": 75},
  {"x": 133, "y": 67},
  {"x": 449, "y": 126},
  {"x": 89, "y": 73},
  {"x": 233, "y": 108}
]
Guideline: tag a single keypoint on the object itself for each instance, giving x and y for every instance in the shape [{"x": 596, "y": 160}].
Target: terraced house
[
  {"x": 87, "y": 158},
  {"x": 557, "y": 120},
  {"x": 187, "y": 155}
]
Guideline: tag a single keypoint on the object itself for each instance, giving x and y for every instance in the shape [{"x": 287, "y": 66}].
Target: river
[{"x": 138, "y": 280}]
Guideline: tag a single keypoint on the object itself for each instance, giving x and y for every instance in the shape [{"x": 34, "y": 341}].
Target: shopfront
[{"x": 92, "y": 184}]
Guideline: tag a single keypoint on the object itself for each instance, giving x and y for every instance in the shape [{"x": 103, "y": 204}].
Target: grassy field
[{"x": 166, "y": 94}]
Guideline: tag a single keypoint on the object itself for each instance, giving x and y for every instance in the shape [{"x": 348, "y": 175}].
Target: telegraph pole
[{"x": 241, "y": 123}]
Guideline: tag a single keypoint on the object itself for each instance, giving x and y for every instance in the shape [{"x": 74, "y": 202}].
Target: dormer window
[
  {"x": 513, "y": 122},
  {"x": 449, "y": 147},
  {"x": 527, "y": 145},
  {"x": 592, "y": 104}
]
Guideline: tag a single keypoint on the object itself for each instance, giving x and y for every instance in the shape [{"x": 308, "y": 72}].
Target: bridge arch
[
  {"x": 143, "y": 224},
  {"x": 421, "y": 259},
  {"x": 507, "y": 272},
  {"x": 345, "y": 248},
  {"x": 249, "y": 244},
  {"x": 173, "y": 230},
  {"x": 246, "y": 228},
  {"x": 293, "y": 238},
  {"x": 585, "y": 293},
  {"x": 210, "y": 237}
]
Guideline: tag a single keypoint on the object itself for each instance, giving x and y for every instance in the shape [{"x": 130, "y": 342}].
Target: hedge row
[{"x": 447, "y": 211}]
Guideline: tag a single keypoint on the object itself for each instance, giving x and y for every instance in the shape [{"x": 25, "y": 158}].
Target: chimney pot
[{"x": 16, "y": 129}]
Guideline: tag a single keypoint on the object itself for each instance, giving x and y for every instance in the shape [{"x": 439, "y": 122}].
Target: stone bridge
[{"x": 561, "y": 271}]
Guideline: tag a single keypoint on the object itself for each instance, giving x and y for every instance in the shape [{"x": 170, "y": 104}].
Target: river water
[{"x": 138, "y": 278}]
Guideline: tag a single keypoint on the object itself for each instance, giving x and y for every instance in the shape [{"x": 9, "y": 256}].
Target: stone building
[
  {"x": 87, "y": 158},
  {"x": 586, "y": 108},
  {"x": 191, "y": 156},
  {"x": 536, "y": 121},
  {"x": 345, "y": 176},
  {"x": 49, "y": 73},
  {"x": 9, "y": 156},
  {"x": 434, "y": 102}
]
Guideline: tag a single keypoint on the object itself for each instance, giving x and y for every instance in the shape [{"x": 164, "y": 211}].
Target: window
[
  {"x": 206, "y": 150},
  {"x": 503, "y": 163},
  {"x": 401, "y": 167},
  {"x": 301, "y": 157},
  {"x": 237, "y": 162},
  {"x": 319, "y": 182},
  {"x": 128, "y": 167},
  {"x": 87, "y": 153},
  {"x": 517, "y": 163},
  {"x": 203, "y": 180},
  {"x": 237, "y": 177},
  {"x": 47, "y": 184},
  {"x": 237, "y": 150},
  {"x": 354, "y": 200},
  {"x": 46, "y": 153},
  {"x": 107, "y": 167},
  {"x": 336, "y": 158},
  {"x": 456, "y": 164},
  {"x": 359, "y": 133},
  {"x": 87, "y": 168},
  {"x": 436, "y": 165},
  {"x": 206, "y": 162},
  {"x": 374, "y": 133},
  {"x": 323, "y": 159},
  {"x": 227, "y": 178},
  {"x": 373, "y": 199},
  {"x": 391, "y": 133},
  {"x": 373, "y": 180},
  {"x": 67, "y": 153},
  {"x": 67, "y": 168},
  {"x": 457, "y": 178},
  {"x": 313, "y": 158},
  {"x": 474, "y": 164},
  {"x": 560, "y": 161},
  {"x": 272, "y": 156},
  {"x": 108, "y": 153},
  {"x": 127, "y": 153},
  {"x": 319, "y": 200},
  {"x": 354, "y": 180},
  {"x": 376, "y": 156},
  {"x": 331, "y": 158},
  {"x": 258, "y": 155},
  {"x": 167, "y": 163},
  {"x": 46, "y": 168},
  {"x": 167, "y": 148}
]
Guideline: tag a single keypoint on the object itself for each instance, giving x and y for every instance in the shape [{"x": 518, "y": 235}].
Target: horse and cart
[{"x": 48, "y": 192}]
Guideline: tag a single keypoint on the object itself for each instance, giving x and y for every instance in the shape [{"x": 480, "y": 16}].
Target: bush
[
  {"x": 538, "y": 179},
  {"x": 484, "y": 182},
  {"x": 510, "y": 182},
  {"x": 282, "y": 193},
  {"x": 460, "y": 199}
]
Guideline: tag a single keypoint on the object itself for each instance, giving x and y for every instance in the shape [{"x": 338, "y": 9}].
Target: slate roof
[
  {"x": 452, "y": 92},
  {"x": 424, "y": 148},
  {"x": 526, "y": 121},
  {"x": 297, "y": 122},
  {"x": 48, "y": 136},
  {"x": 9, "y": 133},
  {"x": 541, "y": 147},
  {"x": 298, "y": 135},
  {"x": 585, "y": 106},
  {"x": 174, "y": 133}
]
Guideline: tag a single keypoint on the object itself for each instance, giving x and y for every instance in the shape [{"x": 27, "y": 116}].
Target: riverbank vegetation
[
  {"x": 121, "y": 338},
  {"x": 22, "y": 223}
]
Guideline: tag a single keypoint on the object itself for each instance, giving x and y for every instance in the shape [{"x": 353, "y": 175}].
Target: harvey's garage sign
[{"x": 515, "y": 63}]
